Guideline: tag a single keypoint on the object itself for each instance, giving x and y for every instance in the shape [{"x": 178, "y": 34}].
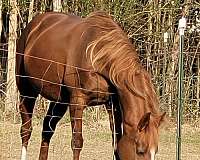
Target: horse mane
[{"x": 112, "y": 52}]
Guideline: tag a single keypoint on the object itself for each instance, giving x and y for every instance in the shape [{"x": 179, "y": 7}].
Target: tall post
[{"x": 182, "y": 26}]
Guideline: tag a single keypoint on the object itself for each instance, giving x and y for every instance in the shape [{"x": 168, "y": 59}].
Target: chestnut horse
[{"x": 78, "y": 62}]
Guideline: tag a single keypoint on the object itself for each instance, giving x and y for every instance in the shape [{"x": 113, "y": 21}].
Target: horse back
[{"x": 52, "y": 48}]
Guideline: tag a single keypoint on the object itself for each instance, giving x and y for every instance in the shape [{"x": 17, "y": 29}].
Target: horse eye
[{"x": 140, "y": 152}]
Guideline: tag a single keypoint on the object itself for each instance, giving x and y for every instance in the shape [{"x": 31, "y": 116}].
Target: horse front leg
[{"x": 76, "y": 114}]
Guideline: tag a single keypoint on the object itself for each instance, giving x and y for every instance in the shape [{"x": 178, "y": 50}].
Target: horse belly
[{"x": 45, "y": 76}]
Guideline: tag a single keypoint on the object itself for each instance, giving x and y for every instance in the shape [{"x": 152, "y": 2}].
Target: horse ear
[
  {"x": 144, "y": 122},
  {"x": 161, "y": 119}
]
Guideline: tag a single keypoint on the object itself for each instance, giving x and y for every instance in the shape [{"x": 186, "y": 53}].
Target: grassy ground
[{"x": 97, "y": 142}]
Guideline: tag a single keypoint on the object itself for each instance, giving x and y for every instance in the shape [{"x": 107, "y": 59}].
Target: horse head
[{"x": 143, "y": 144}]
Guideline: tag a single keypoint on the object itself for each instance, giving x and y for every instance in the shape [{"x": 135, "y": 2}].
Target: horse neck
[
  {"x": 136, "y": 104},
  {"x": 132, "y": 112}
]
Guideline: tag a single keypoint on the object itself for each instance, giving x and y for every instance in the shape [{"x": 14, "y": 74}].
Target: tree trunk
[
  {"x": 173, "y": 59},
  {"x": 1, "y": 21},
  {"x": 30, "y": 14},
  {"x": 150, "y": 31},
  {"x": 57, "y": 7},
  {"x": 170, "y": 86},
  {"x": 198, "y": 82},
  {"x": 11, "y": 84}
]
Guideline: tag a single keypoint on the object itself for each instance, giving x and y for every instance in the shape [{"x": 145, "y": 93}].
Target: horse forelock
[{"x": 113, "y": 53}]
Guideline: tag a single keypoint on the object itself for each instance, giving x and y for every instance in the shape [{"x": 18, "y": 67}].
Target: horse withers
[{"x": 78, "y": 62}]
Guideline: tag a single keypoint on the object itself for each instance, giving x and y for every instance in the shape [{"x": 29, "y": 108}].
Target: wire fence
[{"x": 146, "y": 28}]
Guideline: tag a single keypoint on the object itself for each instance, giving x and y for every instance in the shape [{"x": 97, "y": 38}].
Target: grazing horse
[{"x": 78, "y": 62}]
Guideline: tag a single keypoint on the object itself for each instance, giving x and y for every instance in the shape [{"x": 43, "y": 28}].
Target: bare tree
[
  {"x": 198, "y": 81},
  {"x": 1, "y": 17},
  {"x": 11, "y": 86}
]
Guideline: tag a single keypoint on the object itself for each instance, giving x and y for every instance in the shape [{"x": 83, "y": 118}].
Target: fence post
[{"x": 181, "y": 27}]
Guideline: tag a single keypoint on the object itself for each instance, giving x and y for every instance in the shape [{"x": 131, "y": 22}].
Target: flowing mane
[{"x": 118, "y": 57}]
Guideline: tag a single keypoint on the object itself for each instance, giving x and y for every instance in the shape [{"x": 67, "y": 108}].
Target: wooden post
[{"x": 11, "y": 97}]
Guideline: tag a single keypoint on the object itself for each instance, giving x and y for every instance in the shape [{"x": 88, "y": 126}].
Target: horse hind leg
[
  {"x": 26, "y": 110},
  {"x": 55, "y": 112}
]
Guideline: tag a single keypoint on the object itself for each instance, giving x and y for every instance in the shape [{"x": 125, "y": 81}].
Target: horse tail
[
  {"x": 21, "y": 45},
  {"x": 20, "y": 51}
]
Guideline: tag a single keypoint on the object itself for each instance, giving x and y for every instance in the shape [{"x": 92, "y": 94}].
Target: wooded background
[{"x": 145, "y": 22}]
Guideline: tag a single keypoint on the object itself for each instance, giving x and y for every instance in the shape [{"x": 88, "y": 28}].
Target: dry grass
[{"x": 97, "y": 142}]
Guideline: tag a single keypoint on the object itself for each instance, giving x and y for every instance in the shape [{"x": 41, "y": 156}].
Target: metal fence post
[{"x": 181, "y": 27}]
